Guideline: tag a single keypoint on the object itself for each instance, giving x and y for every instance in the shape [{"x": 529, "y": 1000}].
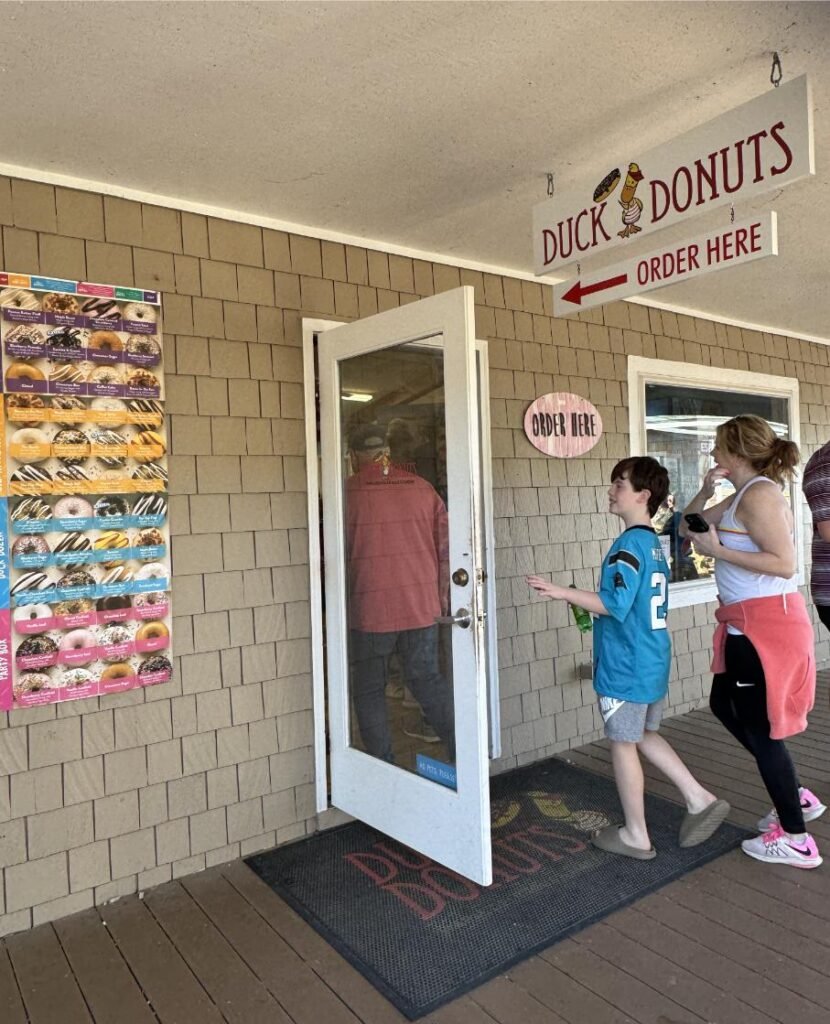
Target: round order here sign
[{"x": 563, "y": 425}]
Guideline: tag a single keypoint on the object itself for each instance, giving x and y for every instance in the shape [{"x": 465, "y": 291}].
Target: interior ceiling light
[{"x": 356, "y": 396}]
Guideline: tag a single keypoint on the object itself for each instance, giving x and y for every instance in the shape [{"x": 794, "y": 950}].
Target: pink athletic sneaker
[
  {"x": 775, "y": 846},
  {"x": 810, "y": 804}
]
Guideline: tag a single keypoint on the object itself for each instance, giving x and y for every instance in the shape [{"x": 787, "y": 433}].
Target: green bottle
[{"x": 582, "y": 618}]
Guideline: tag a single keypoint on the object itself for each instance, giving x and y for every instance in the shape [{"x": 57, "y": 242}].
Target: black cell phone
[{"x": 696, "y": 522}]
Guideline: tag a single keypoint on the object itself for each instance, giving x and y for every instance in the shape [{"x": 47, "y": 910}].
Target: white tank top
[{"x": 734, "y": 582}]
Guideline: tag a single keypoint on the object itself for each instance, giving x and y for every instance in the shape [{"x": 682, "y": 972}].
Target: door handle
[{"x": 461, "y": 618}]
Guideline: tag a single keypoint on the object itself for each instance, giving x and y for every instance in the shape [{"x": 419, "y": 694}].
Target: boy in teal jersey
[{"x": 632, "y": 660}]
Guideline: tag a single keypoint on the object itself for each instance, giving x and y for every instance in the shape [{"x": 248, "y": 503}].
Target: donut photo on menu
[
  {"x": 154, "y": 603},
  {"x": 73, "y": 548},
  {"x": 106, "y": 378},
  {"x": 32, "y": 618},
  {"x": 27, "y": 410},
  {"x": 77, "y": 647},
  {"x": 109, "y": 447},
  {"x": 26, "y": 341},
  {"x": 28, "y": 479},
  {"x": 73, "y": 608},
  {"x": 151, "y": 636},
  {"x": 71, "y": 446},
  {"x": 149, "y": 537},
  {"x": 140, "y": 312},
  {"x": 30, "y": 550},
  {"x": 111, "y": 546},
  {"x": 67, "y": 375},
  {"x": 115, "y": 608},
  {"x": 101, "y": 309},
  {"x": 116, "y": 641},
  {"x": 105, "y": 344},
  {"x": 152, "y": 471},
  {"x": 108, "y": 410},
  {"x": 19, "y": 298},
  {"x": 31, "y": 683},
  {"x": 36, "y": 651},
  {"x": 67, "y": 477},
  {"x": 143, "y": 380},
  {"x": 73, "y": 507},
  {"x": 156, "y": 665},
  {"x": 110, "y": 506},
  {"x": 67, "y": 410},
  {"x": 75, "y": 678},
  {"x": 152, "y": 505},
  {"x": 35, "y": 509},
  {"x": 144, "y": 349},
  {"x": 146, "y": 412},
  {"x": 59, "y": 302},
  {"x": 24, "y": 376},
  {"x": 67, "y": 342},
  {"x": 119, "y": 674},
  {"x": 147, "y": 446},
  {"x": 152, "y": 571},
  {"x": 36, "y": 585},
  {"x": 76, "y": 578},
  {"x": 29, "y": 444}
]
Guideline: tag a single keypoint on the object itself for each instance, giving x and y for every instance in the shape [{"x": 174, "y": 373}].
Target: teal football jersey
[{"x": 632, "y": 648}]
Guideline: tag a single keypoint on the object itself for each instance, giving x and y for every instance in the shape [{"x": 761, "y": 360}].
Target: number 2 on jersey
[{"x": 658, "y": 601}]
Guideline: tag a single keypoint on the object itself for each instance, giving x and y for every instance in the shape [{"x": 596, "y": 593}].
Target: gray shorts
[{"x": 626, "y": 721}]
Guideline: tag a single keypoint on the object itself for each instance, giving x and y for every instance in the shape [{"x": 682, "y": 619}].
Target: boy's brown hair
[{"x": 644, "y": 474}]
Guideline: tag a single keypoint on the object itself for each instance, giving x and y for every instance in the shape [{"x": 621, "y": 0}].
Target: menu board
[{"x": 84, "y": 536}]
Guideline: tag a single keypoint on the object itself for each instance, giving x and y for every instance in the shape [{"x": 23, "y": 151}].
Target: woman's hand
[
  {"x": 710, "y": 480},
  {"x": 707, "y": 543},
  {"x": 545, "y": 587}
]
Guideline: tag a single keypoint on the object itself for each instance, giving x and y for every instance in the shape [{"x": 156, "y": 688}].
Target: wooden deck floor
[{"x": 735, "y": 942}]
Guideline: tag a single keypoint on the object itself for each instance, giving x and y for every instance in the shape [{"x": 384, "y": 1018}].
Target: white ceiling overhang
[{"x": 425, "y": 128}]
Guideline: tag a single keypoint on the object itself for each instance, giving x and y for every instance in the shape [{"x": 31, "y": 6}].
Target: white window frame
[{"x": 643, "y": 371}]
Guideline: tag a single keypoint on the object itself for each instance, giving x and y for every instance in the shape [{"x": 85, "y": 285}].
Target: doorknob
[{"x": 461, "y": 618}]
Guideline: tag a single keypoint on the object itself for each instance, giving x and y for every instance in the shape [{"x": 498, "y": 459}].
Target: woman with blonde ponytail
[{"x": 764, "y": 660}]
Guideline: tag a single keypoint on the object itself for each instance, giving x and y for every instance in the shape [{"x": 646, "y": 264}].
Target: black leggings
[
  {"x": 739, "y": 700},
  {"x": 824, "y": 613}
]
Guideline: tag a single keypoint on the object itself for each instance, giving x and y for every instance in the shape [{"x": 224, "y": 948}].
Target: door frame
[{"x": 311, "y": 327}]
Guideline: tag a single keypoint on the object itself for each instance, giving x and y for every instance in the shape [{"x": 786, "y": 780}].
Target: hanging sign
[
  {"x": 742, "y": 242},
  {"x": 563, "y": 425},
  {"x": 766, "y": 143}
]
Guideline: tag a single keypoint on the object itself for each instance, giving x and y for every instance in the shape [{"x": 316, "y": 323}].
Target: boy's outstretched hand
[{"x": 545, "y": 587}]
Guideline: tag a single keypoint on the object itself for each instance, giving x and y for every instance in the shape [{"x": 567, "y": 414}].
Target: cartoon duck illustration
[{"x": 631, "y": 206}]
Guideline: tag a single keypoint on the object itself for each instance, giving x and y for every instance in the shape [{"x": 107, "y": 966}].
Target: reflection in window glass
[{"x": 680, "y": 433}]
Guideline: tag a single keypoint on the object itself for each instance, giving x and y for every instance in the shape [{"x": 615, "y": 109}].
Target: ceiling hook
[{"x": 776, "y": 74}]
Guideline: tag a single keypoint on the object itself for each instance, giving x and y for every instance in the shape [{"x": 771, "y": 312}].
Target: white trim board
[{"x": 307, "y": 230}]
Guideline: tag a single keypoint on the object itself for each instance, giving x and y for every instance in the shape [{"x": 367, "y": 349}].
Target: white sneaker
[
  {"x": 811, "y": 807},
  {"x": 777, "y": 847},
  {"x": 423, "y": 731}
]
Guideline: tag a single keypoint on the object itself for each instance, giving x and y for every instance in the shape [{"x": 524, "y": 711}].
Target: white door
[{"x": 404, "y": 615}]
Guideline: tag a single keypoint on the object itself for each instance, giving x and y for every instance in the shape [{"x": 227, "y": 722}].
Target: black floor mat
[{"x": 424, "y": 936}]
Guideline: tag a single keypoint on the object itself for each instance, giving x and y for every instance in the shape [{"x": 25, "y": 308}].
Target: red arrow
[{"x": 575, "y": 293}]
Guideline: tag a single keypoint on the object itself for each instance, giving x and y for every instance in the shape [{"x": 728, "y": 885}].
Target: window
[{"x": 674, "y": 411}]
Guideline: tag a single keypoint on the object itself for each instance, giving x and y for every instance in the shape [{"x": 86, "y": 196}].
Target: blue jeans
[{"x": 417, "y": 650}]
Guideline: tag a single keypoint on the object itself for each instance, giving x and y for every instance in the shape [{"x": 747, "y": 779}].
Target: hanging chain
[
  {"x": 550, "y": 183},
  {"x": 776, "y": 74}
]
